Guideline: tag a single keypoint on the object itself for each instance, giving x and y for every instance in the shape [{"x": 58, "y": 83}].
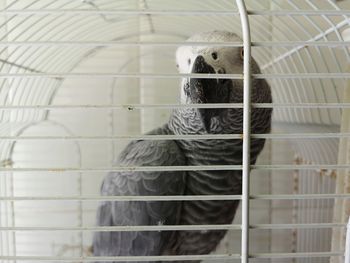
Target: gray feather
[{"x": 140, "y": 153}]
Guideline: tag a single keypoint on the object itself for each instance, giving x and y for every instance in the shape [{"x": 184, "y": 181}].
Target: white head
[{"x": 222, "y": 59}]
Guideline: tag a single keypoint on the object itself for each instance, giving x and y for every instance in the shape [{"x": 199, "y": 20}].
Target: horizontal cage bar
[
  {"x": 212, "y": 257},
  {"x": 175, "y": 227},
  {"x": 131, "y": 107},
  {"x": 175, "y": 76},
  {"x": 174, "y": 44},
  {"x": 165, "y": 12},
  {"x": 121, "y": 258},
  {"x": 181, "y": 137},
  {"x": 175, "y": 197},
  {"x": 179, "y": 168}
]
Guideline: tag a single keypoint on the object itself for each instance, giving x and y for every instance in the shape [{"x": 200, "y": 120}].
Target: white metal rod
[
  {"x": 124, "y": 75},
  {"x": 246, "y": 129},
  {"x": 132, "y": 107},
  {"x": 133, "y": 228},
  {"x": 300, "y": 44},
  {"x": 324, "y": 75},
  {"x": 121, "y": 75},
  {"x": 125, "y": 168},
  {"x": 300, "y": 167},
  {"x": 297, "y": 226},
  {"x": 128, "y": 228},
  {"x": 280, "y": 167},
  {"x": 124, "y": 198},
  {"x": 347, "y": 243},
  {"x": 297, "y": 255},
  {"x": 176, "y": 198},
  {"x": 300, "y": 196},
  {"x": 180, "y": 137},
  {"x": 171, "y": 12},
  {"x": 173, "y": 197},
  {"x": 211, "y": 257}
]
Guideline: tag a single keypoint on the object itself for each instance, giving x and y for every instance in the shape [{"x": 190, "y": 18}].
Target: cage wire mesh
[{"x": 73, "y": 73}]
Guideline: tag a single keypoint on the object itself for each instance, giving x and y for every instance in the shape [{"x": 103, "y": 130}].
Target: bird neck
[{"x": 185, "y": 121}]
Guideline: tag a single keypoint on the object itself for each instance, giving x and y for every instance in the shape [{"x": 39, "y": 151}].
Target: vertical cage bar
[
  {"x": 347, "y": 243},
  {"x": 339, "y": 212},
  {"x": 246, "y": 129}
]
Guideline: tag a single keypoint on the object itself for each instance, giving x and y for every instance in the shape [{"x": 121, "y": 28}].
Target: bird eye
[
  {"x": 242, "y": 53},
  {"x": 214, "y": 55},
  {"x": 189, "y": 61},
  {"x": 187, "y": 89}
]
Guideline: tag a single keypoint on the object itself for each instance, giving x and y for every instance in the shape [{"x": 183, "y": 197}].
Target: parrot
[{"x": 192, "y": 152}]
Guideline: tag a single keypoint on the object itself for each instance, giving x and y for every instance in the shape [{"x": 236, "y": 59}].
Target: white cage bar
[{"x": 305, "y": 66}]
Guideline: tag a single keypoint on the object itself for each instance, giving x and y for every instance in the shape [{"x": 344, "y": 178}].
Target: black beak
[{"x": 207, "y": 91}]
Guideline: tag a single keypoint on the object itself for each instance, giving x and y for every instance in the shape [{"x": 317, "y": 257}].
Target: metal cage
[{"x": 79, "y": 79}]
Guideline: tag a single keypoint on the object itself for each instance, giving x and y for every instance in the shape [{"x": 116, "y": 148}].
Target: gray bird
[{"x": 184, "y": 121}]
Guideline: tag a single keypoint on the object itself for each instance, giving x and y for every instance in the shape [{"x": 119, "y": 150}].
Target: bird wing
[{"x": 131, "y": 213}]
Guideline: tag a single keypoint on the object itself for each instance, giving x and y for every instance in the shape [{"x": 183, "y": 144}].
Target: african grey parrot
[{"x": 184, "y": 121}]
